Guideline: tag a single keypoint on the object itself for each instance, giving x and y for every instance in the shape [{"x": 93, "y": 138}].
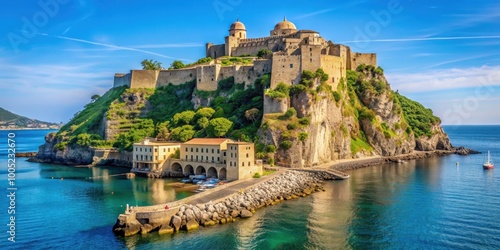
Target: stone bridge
[{"x": 215, "y": 170}]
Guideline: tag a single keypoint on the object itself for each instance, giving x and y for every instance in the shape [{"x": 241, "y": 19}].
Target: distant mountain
[{"x": 9, "y": 120}]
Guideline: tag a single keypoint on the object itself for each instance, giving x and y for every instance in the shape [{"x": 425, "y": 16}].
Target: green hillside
[{"x": 11, "y": 120}]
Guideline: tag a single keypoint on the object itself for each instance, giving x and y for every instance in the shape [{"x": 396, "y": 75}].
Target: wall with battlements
[
  {"x": 215, "y": 51},
  {"x": 175, "y": 77},
  {"x": 363, "y": 58},
  {"x": 144, "y": 78},
  {"x": 121, "y": 80}
]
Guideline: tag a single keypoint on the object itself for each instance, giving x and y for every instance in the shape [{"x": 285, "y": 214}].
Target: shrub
[
  {"x": 260, "y": 155},
  {"x": 336, "y": 95},
  {"x": 256, "y": 175},
  {"x": 305, "y": 120},
  {"x": 303, "y": 136},
  {"x": 270, "y": 160},
  {"x": 286, "y": 135},
  {"x": 297, "y": 89},
  {"x": 291, "y": 112},
  {"x": 270, "y": 148},
  {"x": 286, "y": 144},
  {"x": 291, "y": 126}
]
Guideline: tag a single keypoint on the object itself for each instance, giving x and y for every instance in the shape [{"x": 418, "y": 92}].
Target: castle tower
[
  {"x": 284, "y": 27},
  {"x": 238, "y": 30}
]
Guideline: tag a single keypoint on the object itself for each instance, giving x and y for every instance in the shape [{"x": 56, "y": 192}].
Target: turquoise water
[{"x": 424, "y": 204}]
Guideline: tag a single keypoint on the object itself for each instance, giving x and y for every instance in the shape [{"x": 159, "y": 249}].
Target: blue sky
[{"x": 55, "y": 56}]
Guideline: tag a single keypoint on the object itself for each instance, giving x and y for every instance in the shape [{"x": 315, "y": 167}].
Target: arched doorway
[
  {"x": 222, "y": 174},
  {"x": 188, "y": 170},
  {"x": 176, "y": 167},
  {"x": 200, "y": 170},
  {"x": 212, "y": 173}
]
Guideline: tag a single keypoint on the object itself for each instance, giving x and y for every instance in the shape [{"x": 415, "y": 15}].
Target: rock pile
[{"x": 289, "y": 185}]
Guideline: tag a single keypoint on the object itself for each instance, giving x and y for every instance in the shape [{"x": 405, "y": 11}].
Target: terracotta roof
[
  {"x": 207, "y": 141},
  {"x": 240, "y": 143}
]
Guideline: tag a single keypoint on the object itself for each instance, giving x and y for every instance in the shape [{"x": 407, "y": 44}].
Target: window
[
  {"x": 156, "y": 158},
  {"x": 151, "y": 158},
  {"x": 212, "y": 159},
  {"x": 150, "y": 150},
  {"x": 310, "y": 60},
  {"x": 291, "y": 65},
  {"x": 136, "y": 157},
  {"x": 249, "y": 164},
  {"x": 141, "y": 158},
  {"x": 186, "y": 149},
  {"x": 224, "y": 153},
  {"x": 156, "y": 150},
  {"x": 218, "y": 151},
  {"x": 169, "y": 150},
  {"x": 196, "y": 150},
  {"x": 247, "y": 155},
  {"x": 187, "y": 157},
  {"x": 191, "y": 157},
  {"x": 191, "y": 150},
  {"x": 224, "y": 161},
  {"x": 310, "y": 49},
  {"x": 218, "y": 159},
  {"x": 202, "y": 150},
  {"x": 243, "y": 164},
  {"x": 196, "y": 157},
  {"x": 164, "y": 150},
  {"x": 140, "y": 149},
  {"x": 212, "y": 150}
]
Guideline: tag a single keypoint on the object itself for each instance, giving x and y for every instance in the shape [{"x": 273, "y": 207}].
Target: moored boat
[{"x": 489, "y": 163}]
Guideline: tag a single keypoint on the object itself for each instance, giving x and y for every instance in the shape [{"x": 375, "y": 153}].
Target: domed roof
[
  {"x": 285, "y": 25},
  {"x": 237, "y": 26}
]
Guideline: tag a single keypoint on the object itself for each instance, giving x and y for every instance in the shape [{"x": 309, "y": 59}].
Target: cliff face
[
  {"x": 70, "y": 155},
  {"x": 358, "y": 119}
]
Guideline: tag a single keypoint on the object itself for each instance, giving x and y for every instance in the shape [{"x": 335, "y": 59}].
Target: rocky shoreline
[
  {"x": 288, "y": 185},
  {"x": 406, "y": 157}
]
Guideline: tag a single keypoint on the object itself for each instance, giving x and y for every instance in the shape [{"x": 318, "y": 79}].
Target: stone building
[
  {"x": 214, "y": 157},
  {"x": 151, "y": 156},
  {"x": 293, "y": 51}
]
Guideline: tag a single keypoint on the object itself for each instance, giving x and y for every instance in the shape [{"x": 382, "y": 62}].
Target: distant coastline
[{"x": 30, "y": 128}]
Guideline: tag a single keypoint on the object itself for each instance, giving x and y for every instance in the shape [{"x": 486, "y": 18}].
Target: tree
[
  {"x": 252, "y": 114},
  {"x": 95, "y": 97},
  {"x": 264, "y": 53},
  {"x": 184, "y": 118},
  {"x": 163, "y": 134},
  {"x": 183, "y": 133},
  {"x": 151, "y": 65},
  {"x": 205, "y": 112},
  {"x": 202, "y": 122},
  {"x": 177, "y": 65},
  {"x": 219, "y": 127}
]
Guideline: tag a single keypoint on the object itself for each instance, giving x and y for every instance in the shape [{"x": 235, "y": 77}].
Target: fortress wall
[
  {"x": 244, "y": 74},
  {"x": 311, "y": 57},
  {"x": 176, "y": 76},
  {"x": 262, "y": 66},
  {"x": 334, "y": 66},
  {"x": 215, "y": 51},
  {"x": 275, "y": 105},
  {"x": 363, "y": 58},
  {"x": 121, "y": 80},
  {"x": 207, "y": 77},
  {"x": 144, "y": 78},
  {"x": 285, "y": 69}
]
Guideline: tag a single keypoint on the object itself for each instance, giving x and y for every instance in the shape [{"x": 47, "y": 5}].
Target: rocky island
[{"x": 303, "y": 101}]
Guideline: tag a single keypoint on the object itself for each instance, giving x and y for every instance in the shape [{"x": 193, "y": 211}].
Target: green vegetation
[
  {"x": 271, "y": 149},
  {"x": 89, "y": 119},
  {"x": 291, "y": 112},
  {"x": 264, "y": 53},
  {"x": 419, "y": 118},
  {"x": 280, "y": 92},
  {"x": 180, "y": 65},
  {"x": 9, "y": 118},
  {"x": 270, "y": 161},
  {"x": 285, "y": 144},
  {"x": 151, "y": 65},
  {"x": 219, "y": 127},
  {"x": 303, "y": 136},
  {"x": 228, "y": 61},
  {"x": 269, "y": 171},
  {"x": 360, "y": 144},
  {"x": 305, "y": 121},
  {"x": 256, "y": 175}
]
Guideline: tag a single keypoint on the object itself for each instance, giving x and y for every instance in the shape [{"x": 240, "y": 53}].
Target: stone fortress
[{"x": 293, "y": 52}]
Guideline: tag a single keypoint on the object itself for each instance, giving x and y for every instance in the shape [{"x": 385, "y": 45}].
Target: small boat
[{"x": 488, "y": 164}]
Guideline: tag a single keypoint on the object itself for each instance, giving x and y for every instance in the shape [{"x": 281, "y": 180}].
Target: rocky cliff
[
  {"x": 361, "y": 117},
  {"x": 303, "y": 125}
]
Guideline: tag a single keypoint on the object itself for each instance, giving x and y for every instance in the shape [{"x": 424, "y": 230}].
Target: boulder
[
  {"x": 245, "y": 214},
  {"x": 175, "y": 222},
  {"x": 126, "y": 226},
  {"x": 146, "y": 228},
  {"x": 165, "y": 229},
  {"x": 191, "y": 225}
]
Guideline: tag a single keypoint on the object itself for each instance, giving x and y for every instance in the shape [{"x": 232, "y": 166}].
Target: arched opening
[
  {"x": 200, "y": 170},
  {"x": 188, "y": 170},
  {"x": 176, "y": 167},
  {"x": 222, "y": 174},
  {"x": 212, "y": 173}
]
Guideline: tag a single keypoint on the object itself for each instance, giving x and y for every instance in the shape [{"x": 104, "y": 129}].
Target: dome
[
  {"x": 285, "y": 25},
  {"x": 237, "y": 26}
]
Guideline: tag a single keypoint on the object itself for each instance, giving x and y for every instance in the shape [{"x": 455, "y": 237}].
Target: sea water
[{"x": 422, "y": 204}]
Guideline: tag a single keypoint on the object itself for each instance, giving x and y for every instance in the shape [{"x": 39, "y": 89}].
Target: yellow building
[
  {"x": 151, "y": 156},
  {"x": 220, "y": 158}
]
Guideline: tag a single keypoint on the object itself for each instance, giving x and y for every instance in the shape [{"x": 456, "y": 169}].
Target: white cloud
[{"x": 445, "y": 79}]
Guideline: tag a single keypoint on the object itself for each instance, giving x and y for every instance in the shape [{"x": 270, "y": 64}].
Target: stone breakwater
[{"x": 286, "y": 186}]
